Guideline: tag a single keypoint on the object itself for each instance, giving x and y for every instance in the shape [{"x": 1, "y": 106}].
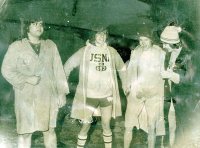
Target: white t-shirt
[{"x": 99, "y": 83}]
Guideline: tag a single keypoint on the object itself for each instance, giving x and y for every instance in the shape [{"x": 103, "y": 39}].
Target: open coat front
[
  {"x": 81, "y": 59},
  {"x": 131, "y": 82},
  {"x": 35, "y": 106}
]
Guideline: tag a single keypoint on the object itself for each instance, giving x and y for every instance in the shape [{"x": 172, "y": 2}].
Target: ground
[
  {"x": 68, "y": 135},
  {"x": 68, "y": 129}
]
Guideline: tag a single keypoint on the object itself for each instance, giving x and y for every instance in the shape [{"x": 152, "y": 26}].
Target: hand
[
  {"x": 166, "y": 74},
  {"x": 62, "y": 100},
  {"x": 33, "y": 80},
  {"x": 88, "y": 43},
  {"x": 148, "y": 92},
  {"x": 110, "y": 99},
  {"x": 127, "y": 91}
]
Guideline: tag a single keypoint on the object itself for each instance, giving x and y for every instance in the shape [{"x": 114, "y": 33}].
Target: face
[
  {"x": 167, "y": 47},
  {"x": 36, "y": 29},
  {"x": 145, "y": 41},
  {"x": 100, "y": 38}
]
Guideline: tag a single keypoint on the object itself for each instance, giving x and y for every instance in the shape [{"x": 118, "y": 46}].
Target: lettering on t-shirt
[{"x": 100, "y": 59}]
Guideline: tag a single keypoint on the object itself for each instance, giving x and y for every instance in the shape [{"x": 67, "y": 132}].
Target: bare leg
[
  {"x": 133, "y": 110},
  {"x": 106, "y": 114},
  {"x": 24, "y": 140},
  {"x": 153, "y": 111},
  {"x": 82, "y": 136},
  {"x": 50, "y": 140},
  {"x": 127, "y": 137},
  {"x": 151, "y": 135}
]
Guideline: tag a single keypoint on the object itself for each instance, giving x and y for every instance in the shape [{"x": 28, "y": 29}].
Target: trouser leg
[{"x": 166, "y": 113}]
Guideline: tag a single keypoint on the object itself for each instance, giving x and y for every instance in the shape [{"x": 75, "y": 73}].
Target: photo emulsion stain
[{"x": 104, "y": 74}]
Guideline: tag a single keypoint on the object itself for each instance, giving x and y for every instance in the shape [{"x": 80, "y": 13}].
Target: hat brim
[{"x": 170, "y": 41}]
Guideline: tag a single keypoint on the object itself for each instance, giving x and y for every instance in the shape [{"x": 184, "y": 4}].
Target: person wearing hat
[
  {"x": 171, "y": 44},
  {"x": 97, "y": 92},
  {"x": 34, "y": 68},
  {"x": 145, "y": 90}
]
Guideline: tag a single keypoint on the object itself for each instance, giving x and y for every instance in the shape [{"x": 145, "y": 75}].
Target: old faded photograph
[{"x": 99, "y": 74}]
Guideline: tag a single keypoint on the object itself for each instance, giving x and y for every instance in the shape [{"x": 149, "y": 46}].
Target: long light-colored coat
[
  {"x": 81, "y": 58},
  {"x": 35, "y": 106},
  {"x": 132, "y": 76}
]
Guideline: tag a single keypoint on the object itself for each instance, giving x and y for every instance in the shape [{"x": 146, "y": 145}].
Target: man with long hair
[
  {"x": 34, "y": 68},
  {"x": 97, "y": 90}
]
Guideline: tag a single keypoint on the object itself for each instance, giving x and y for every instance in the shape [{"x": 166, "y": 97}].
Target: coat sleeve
[
  {"x": 9, "y": 67},
  {"x": 162, "y": 59},
  {"x": 60, "y": 78},
  {"x": 120, "y": 67},
  {"x": 185, "y": 70},
  {"x": 131, "y": 68},
  {"x": 175, "y": 77},
  {"x": 73, "y": 62}
]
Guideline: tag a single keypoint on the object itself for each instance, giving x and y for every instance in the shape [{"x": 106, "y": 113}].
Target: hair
[
  {"x": 25, "y": 24},
  {"x": 105, "y": 32},
  {"x": 92, "y": 37}
]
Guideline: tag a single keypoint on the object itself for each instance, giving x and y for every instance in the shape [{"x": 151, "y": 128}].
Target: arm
[
  {"x": 59, "y": 81},
  {"x": 174, "y": 77},
  {"x": 120, "y": 66},
  {"x": 185, "y": 69},
  {"x": 131, "y": 70},
  {"x": 60, "y": 78},
  {"x": 169, "y": 73},
  {"x": 10, "y": 71},
  {"x": 73, "y": 62}
]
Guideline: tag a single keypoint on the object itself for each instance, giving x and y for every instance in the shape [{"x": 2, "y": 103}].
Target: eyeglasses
[{"x": 178, "y": 45}]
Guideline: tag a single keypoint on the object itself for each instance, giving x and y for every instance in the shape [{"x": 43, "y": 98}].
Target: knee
[
  {"x": 107, "y": 130},
  {"x": 151, "y": 128},
  {"x": 51, "y": 131},
  {"x": 86, "y": 126},
  {"x": 24, "y": 136},
  {"x": 106, "y": 125},
  {"x": 84, "y": 130},
  {"x": 24, "y": 140},
  {"x": 128, "y": 130},
  {"x": 151, "y": 131}
]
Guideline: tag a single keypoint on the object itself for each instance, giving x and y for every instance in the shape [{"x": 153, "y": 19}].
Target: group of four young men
[{"x": 34, "y": 68}]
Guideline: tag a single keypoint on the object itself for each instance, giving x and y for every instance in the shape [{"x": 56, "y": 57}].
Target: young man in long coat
[
  {"x": 97, "y": 87},
  {"x": 145, "y": 90},
  {"x": 34, "y": 68}
]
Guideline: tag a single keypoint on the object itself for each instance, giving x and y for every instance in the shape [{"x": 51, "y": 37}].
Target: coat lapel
[
  {"x": 28, "y": 48},
  {"x": 38, "y": 59}
]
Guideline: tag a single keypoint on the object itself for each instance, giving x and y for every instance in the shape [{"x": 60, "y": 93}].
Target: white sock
[
  {"x": 107, "y": 138},
  {"x": 81, "y": 141}
]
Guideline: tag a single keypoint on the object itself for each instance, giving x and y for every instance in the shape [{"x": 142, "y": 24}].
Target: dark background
[{"x": 69, "y": 23}]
